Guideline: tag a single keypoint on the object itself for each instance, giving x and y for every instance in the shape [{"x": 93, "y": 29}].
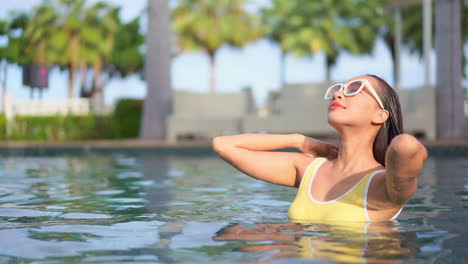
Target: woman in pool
[{"x": 370, "y": 176}]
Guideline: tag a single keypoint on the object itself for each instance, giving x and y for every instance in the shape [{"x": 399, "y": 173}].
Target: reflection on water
[
  {"x": 156, "y": 208},
  {"x": 350, "y": 243}
]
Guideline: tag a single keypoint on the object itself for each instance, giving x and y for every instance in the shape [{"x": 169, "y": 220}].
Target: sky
[{"x": 256, "y": 66}]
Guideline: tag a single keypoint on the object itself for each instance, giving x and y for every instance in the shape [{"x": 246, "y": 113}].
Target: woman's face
[{"x": 359, "y": 110}]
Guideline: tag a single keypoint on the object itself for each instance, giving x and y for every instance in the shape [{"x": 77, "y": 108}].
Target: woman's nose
[{"x": 338, "y": 94}]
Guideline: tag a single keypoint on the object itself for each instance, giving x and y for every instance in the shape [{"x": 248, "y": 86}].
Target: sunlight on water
[{"x": 159, "y": 209}]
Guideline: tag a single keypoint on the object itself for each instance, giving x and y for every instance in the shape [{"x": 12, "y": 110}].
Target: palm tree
[
  {"x": 13, "y": 52},
  {"x": 68, "y": 34},
  {"x": 72, "y": 26},
  {"x": 64, "y": 45},
  {"x": 333, "y": 27},
  {"x": 275, "y": 18},
  {"x": 413, "y": 33},
  {"x": 98, "y": 34},
  {"x": 209, "y": 24},
  {"x": 4, "y": 32},
  {"x": 46, "y": 42},
  {"x": 40, "y": 29},
  {"x": 77, "y": 38},
  {"x": 126, "y": 57}
]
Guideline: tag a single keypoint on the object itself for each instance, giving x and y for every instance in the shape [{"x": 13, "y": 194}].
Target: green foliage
[
  {"x": 412, "y": 17},
  {"x": 126, "y": 55},
  {"x": 60, "y": 128},
  {"x": 127, "y": 116},
  {"x": 3, "y": 125},
  {"x": 207, "y": 25},
  {"x": 123, "y": 123},
  {"x": 100, "y": 24},
  {"x": 14, "y": 50},
  {"x": 277, "y": 20},
  {"x": 306, "y": 27},
  {"x": 72, "y": 35},
  {"x": 413, "y": 29},
  {"x": 39, "y": 31},
  {"x": 464, "y": 37}
]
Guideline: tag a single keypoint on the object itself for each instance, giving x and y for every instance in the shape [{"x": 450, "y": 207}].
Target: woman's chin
[{"x": 336, "y": 120}]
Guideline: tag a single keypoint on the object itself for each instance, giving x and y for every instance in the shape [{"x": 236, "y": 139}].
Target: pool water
[{"x": 122, "y": 208}]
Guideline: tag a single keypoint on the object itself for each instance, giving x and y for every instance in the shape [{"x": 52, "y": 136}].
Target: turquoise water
[{"x": 120, "y": 208}]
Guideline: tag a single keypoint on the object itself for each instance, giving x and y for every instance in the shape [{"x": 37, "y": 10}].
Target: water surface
[{"x": 121, "y": 208}]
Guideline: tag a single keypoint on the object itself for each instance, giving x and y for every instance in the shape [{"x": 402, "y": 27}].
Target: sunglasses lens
[
  {"x": 332, "y": 91},
  {"x": 353, "y": 88}
]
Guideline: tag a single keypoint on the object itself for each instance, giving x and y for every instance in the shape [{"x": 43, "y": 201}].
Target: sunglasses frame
[{"x": 364, "y": 83}]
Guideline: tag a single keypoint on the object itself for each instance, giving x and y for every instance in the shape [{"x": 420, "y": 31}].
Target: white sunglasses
[{"x": 352, "y": 88}]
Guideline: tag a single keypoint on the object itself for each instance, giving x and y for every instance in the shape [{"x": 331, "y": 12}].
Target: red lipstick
[{"x": 335, "y": 105}]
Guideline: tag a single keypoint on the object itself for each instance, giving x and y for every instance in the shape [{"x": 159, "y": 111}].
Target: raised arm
[
  {"x": 404, "y": 161},
  {"x": 253, "y": 155}
]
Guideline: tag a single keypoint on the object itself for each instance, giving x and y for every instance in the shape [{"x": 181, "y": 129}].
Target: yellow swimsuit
[{"x": 351, "y": 206}]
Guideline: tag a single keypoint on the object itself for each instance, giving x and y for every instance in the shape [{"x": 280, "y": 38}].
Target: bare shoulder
[{"x": 301, "y": 162}]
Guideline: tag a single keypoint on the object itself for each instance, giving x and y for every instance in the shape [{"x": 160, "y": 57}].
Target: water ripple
[{"x": 117, "y": 208}]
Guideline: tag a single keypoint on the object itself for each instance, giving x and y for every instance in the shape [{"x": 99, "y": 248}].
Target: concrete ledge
[
  {"x": 441, "y": 148},
  {"x": 130, "y": 143},
  {"x": 446, "y": 143},
  {"x": 136, "y": 143}
]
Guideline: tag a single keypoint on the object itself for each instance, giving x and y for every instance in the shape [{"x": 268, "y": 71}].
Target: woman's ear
[{"x": 381, "y": 116}]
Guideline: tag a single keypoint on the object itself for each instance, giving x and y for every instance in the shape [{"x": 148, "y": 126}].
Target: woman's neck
[{"x": 355, "y": 152}]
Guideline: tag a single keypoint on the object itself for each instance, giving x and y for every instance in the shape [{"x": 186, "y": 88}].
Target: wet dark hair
[{"x": 394, "y": 124}]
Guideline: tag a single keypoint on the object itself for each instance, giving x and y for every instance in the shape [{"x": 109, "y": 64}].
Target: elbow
[
  {"x": 407, "y": 147},
  {"x": 219, "y": 144},
  {"x": 406, "y": 143},
  {"x": 400, "y": 198},
  {"x": 216, "y": 144}
]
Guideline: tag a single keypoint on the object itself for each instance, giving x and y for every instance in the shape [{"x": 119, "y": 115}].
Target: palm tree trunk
[
  {"x": 395, "y": 43},
  {"x": 4, "y": 86},
  {"x": 96, "y": 90},
  {"x": 101, "y": 99},
  {"x": 158, "y": 101},
  {"x": 330, "y": 62},
  {"x": 96, "y": 74},
  {"x": 449, "y": 95},
  {"x": 213, "y": 72},
  {"x": 328, "y": 71},
  {"x": 390, "y": 42},
  {"x": 74, "y": 62},
  {"x": 71, "y": 81},
  {"x": 84, "y": 79},
  {"x": 282, "y": 69}
]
